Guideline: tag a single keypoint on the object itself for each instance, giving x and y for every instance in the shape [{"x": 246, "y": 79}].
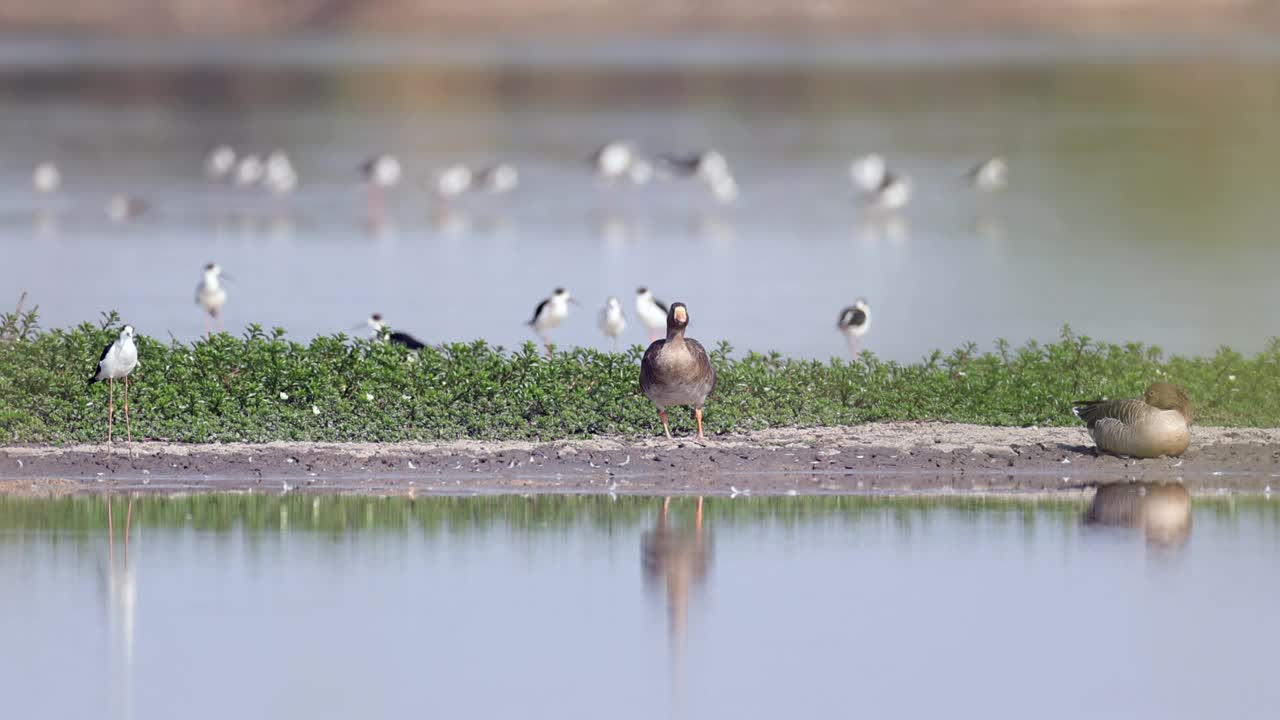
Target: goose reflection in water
[
  {"x": 676, "y": 557},
  {"x": 1162, "y": 511}
]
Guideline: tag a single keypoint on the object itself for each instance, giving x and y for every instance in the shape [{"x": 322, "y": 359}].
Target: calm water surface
[
  {"x": 1141, "y": 206},
  {"x": 252, "y": 606}
]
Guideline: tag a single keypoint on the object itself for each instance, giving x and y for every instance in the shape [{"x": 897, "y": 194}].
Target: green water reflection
[{"x": 342, "y": 515}]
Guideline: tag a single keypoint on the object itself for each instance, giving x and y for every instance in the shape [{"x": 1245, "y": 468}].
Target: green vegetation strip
[{"x": 262, "y": 387}]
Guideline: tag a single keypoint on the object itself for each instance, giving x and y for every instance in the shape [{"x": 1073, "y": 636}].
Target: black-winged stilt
[
  {"x": 453, "y": 180},
  {"x": 380, "y": 172},
  {"x": 46, "y": 177},
  {"x": 219, "y": 162},
  {"x": 652, "y": 313},
  {"x": 868, "y": 172},
  {"x": 893, "y": 194},
  {"x": 384, "y": 333},
  {"x": 614, "y": 160},
  {"x": 279, "y": 175},
  {"x": 611, "y": 321},
  {"x": 117, "y": 361},
  {"x": 549, "y": 313},
  {"x": 211, "y": 296},
  {"x": 854, "y": 322},
  {"x": 498, "y": 179},
  {"x": 121, "y": 208},
  {"x": 990, "y": 175},
  {"x": 248, "y": 171}
]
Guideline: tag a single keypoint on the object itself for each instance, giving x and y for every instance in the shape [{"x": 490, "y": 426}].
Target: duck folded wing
[{"x": 1126, "y": 412}]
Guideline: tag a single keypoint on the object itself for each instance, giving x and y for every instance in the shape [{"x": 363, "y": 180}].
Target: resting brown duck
[
  {"x": 1158, "y": 424},
  {"x": 677, "y": 371}
]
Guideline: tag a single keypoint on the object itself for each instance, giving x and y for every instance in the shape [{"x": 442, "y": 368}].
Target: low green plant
[{"x": 263, "y": 386}]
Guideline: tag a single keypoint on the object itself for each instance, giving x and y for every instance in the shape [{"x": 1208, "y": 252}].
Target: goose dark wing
[
  {"x": 648, "y": 363},
  {"x": 706, "y": 372}
]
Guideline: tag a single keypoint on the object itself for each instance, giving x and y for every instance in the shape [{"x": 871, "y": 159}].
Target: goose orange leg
[
  {"x": 663, "y": 414},
  {"x": 697, "y": 415}
]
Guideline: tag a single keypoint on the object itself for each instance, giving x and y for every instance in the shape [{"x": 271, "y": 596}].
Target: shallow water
[
  {"x": 245, "y": 605},
  {"x": 1140, "y": 208}
]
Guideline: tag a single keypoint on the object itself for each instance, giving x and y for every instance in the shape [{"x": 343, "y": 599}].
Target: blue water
[{"x": 239, "y": 606}]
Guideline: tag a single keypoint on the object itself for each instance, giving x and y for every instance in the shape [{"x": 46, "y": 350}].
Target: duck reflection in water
[
  {"x": 676, "y": 557},
  {"x": 1161, "y": 510}
]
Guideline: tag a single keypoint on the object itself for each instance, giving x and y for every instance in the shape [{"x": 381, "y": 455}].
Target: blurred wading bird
[
  {"x": 117, "y": 361},
  {"x": 652, "y": 313},
  {"x": 873, "y": 178},
  {"x": 868, "y": 172},
  {"x": 453, "y": 180},
  {"x": 990, "y": 175},
  {"x": 211, "y": 296},
  {"x": 219, "y": 162},
  {"x": 612, "y": 322},
  {"x": 893, "y": 194},
  {"x": 380, "y": 172},
  {"x": 854, "y": 322},
  {"x": 614, "y": 160},
  {"x": 382, "y": 333},
  {"x": 549, "y": 313},
  {"x": 498, "y": 179},
  {"x": 677, "y": 370}
]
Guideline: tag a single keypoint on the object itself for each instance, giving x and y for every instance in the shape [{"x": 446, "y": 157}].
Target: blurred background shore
[
  {"x": 1139, "y": 136},
  {"x": 593, "y": 18}
]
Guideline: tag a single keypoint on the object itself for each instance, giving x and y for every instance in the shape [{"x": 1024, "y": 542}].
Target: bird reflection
[
  {"x": 490, "y": 222},
  {"x": 279, "y": 228},
  {"x": 713, "y": 228},
  {"x": 380, "y": 226},
  {"x": 991, "y": 233},
  {"x": 676, "y": 557},
  {"x": 877, "y": 227},
  {"x": 121, "y": 594},
  {"x": 449, "y": 220},
  {"x": 46, "y": 223},
  {"x": 1162, "y": 511},
  {"x": 613, "y": 230}
]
